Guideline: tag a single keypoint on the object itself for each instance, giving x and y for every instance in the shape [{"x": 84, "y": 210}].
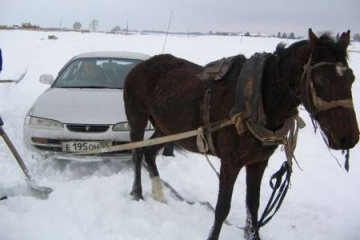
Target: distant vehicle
[{"x": 83, "y": 109}]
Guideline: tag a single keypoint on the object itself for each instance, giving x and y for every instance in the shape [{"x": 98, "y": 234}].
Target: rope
[
  {"x": 203, "y": 147},
  {"x": 144, "y": 143}
]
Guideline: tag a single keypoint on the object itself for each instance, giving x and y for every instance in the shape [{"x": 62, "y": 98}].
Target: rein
[{"x": 282, "y": 190}]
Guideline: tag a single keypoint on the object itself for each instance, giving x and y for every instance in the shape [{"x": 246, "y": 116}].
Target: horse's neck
[{"x": 280, "y": 91}]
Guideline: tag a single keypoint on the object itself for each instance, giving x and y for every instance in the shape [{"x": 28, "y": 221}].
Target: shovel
[
  {"x": 15, "y": 80},
  {"x": 38, "y": 190}
]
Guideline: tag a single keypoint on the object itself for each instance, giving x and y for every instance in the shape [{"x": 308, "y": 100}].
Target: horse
[{"x": 169, "y": 92}]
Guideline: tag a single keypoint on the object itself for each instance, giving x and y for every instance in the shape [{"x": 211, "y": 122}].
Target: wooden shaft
[{"x": 15, "y": 153}]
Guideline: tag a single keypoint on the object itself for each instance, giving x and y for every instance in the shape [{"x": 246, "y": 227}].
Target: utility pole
[{"x": 167, "y": 31}]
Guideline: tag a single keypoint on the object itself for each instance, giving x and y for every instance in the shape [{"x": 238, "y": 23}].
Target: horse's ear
[
  {"x": 312, "y": 37},
  {"x": 344, "y": 39}
]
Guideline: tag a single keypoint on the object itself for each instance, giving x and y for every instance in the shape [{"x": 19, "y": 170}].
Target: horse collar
[
  {"x": 248, "y": 110},
  {"x": 248, "y": 97}
]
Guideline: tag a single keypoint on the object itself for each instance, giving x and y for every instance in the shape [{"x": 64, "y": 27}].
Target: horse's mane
[
  {"x": 325, "y": 39},
  {"x": 282, "y": 52}
]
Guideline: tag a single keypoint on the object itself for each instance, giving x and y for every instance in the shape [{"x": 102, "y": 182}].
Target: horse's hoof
[
  {"x": 157, "y": 190},
  {"x": 214, "y": 234},
  {"x": 251, "y": 235},
  {"x": 212, "y": 238},
  {"x": 136, "y": 196},
  {"x": 159, "y": 198}
]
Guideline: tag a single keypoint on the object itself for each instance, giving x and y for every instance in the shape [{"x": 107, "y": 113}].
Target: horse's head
[{"x": 326, "y": 90}]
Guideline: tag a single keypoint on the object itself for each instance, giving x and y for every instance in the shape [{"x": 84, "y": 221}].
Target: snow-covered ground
[{"x": 91, "y": 201}]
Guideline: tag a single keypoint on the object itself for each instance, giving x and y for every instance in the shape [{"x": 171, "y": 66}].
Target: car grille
[{"x": 87, "y": 128}]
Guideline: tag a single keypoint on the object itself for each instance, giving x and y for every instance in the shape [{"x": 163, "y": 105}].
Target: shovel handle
[
  {"x": 14, "y": 151},
  {"x": 44, "y": 191}
]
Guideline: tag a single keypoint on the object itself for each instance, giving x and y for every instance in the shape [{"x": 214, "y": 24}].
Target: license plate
[{"x": 81, "y": 146}]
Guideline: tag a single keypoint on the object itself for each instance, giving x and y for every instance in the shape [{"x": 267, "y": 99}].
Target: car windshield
[{"x": 95, "y": 73}]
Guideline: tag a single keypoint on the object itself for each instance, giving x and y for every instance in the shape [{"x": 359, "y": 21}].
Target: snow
[{"x": 91, "y": 200}]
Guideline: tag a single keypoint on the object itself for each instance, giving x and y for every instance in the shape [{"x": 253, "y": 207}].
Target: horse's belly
[{"x": 244, "y": 150}]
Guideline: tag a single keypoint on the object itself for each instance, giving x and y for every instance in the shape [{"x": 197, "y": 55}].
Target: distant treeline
[{"x": 117, "y": 30}]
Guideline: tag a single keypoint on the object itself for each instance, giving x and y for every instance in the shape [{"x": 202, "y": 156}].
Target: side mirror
[{"x": 47, "y": 79}]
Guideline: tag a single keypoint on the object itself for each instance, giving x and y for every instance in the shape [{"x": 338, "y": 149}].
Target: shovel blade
[{"x": 39, "y": 190}]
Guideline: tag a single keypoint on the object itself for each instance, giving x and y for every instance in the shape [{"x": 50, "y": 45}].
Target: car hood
[{"x": 74, "y": 105}]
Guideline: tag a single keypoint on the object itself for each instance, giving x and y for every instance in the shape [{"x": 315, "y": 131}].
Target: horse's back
[
  {"x": 161, "y": 69},
  {"x": 165, "y": 88}
]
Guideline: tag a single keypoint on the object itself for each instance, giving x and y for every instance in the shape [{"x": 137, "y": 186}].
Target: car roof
[{"x": 113, "y": 54}]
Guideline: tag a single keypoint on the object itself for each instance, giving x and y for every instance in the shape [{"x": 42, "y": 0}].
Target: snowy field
[{"x": 91, "y": 201}]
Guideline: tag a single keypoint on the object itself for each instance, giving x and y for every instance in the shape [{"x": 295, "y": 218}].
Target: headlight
[
  {"x": 42, "y": 122},
  {"x": 124, "y": 126},
  {"x": 121, "y": 126}
]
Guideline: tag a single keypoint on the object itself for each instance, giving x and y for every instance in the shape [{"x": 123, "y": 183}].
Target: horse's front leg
[
  {"x": 136, "y": 191},
  {"x": 228, "y": 175},
  {"x": 254, "y": 174}
]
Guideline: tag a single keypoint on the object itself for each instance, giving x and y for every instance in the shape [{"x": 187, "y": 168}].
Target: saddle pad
[{"x": 217, "y": 70}]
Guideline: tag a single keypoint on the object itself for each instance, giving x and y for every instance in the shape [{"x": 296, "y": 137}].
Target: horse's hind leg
[
  {"x": 136, "y": 191},
  {"x": 254, "y": 174},
  {"x": 169, "y": 150},
  {"x": 150, "y": 159},
  {"x": 137, "y": 128}
]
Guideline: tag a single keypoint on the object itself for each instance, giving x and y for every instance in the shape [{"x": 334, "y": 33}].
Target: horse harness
[
  {"x": 241, "y": 120},
  {"x": 248, "y": 112}
]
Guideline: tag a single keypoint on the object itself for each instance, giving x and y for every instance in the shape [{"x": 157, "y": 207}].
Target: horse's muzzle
[
  {"x": 340, "y": 127},
  {"x": 345, "y": 143}
]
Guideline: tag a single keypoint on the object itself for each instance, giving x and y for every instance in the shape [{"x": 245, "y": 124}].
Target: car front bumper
[{"x": 48, "y": 143}]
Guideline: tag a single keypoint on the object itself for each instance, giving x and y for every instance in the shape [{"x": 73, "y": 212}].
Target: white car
[{"x": 83, "y": 111}]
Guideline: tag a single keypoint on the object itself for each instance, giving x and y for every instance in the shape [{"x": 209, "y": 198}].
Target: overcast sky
[{"x": 266, "y": 16}]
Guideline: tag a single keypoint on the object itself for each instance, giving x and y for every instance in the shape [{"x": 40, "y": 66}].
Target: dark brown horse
[{"x": 167, "y": 90}]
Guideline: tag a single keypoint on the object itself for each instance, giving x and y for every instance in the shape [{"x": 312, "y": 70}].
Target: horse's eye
[{"x": 321, "y": 83}]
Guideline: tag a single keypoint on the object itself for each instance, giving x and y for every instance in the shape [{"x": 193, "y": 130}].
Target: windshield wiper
[{"x": 94, "y": 87}]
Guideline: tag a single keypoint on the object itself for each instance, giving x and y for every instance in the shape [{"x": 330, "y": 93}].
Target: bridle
[{"x": 318, "y": 104}]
